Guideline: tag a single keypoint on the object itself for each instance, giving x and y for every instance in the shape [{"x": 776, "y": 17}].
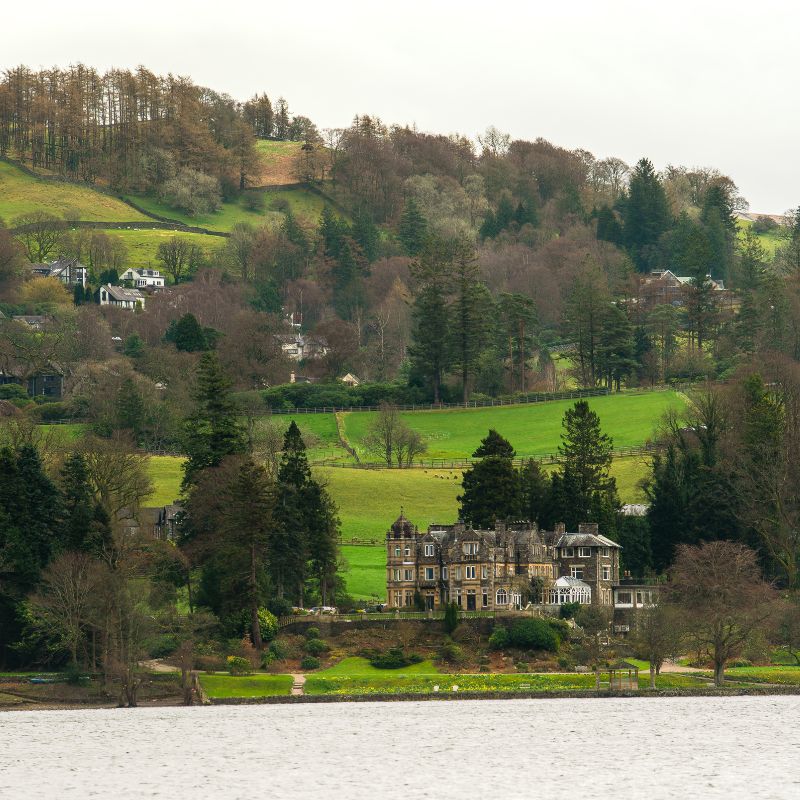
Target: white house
[
  {"x": 144, "y": 278},
  {"x": 299, "y": 346},
  {"x": 570, "y": 590},
  {"x": 121, "y": 298},
  {"x": 68, "y": 270}
]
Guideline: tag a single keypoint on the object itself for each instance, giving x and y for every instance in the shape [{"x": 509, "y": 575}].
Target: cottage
[
  {"x": 302, "y": 346},
  {"x": 501, "y": 569},
  {"x": 143, "y": 278},
  {"x": 34, "y": 321},
  {"x": 131, "y": 299},
  {"x": 68, "y": 270},
  {"x": 350, "y": 380}
]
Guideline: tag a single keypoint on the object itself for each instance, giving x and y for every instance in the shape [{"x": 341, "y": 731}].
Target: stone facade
[{"x": 501, "y": 569}]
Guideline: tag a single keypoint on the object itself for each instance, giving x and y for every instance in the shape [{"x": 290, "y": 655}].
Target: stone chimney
[
  {"x": 588, "y": 527},
  {"x": 559, "y": 528}
]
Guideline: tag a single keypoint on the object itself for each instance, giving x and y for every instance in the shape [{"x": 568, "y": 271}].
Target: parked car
[
  {"x": 377, "y": 608},
  {"x": 323, "y": 610}
]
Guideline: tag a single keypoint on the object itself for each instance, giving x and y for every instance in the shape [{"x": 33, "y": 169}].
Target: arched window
[{"x": 502, "y": 597}]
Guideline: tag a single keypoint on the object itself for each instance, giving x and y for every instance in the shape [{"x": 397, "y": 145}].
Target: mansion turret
[{"x": 501, "y": 569}]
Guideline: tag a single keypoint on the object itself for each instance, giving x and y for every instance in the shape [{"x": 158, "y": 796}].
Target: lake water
[{"x": 649, "y": 748}]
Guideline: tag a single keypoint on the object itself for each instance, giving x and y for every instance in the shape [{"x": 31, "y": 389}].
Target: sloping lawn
[
  {"x": 365, "y": 576},
  {"x": 789, "y": 676},
  {"x": 533, "y": 429},
  {"x": 360, "y": 667},
  {"x": 222, "y": 685},
  {"x": 21, "y": 193}
]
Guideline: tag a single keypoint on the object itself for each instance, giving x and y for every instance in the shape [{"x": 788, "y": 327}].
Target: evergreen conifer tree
[
  {"x": 366, "y": 234},
  {"x": 645, "y": 215},
  {"x": 491, "y": 487},
  {"x": 213, "y": 430},
  {"x": 413, "y": 228},
  {"x": 79, "y": 514}
]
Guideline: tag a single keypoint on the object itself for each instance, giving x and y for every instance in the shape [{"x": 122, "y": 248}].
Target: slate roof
[
  {"x": 584, "y": 540},
  {"x": 122, "y": 295}
]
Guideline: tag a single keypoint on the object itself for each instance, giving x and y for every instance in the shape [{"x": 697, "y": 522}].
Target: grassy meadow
[
  {"x": 142, "y": 245},
  {"x": 535, "y": 429},
  {"x": 276, "y": 162},
  {"x": 20, "y": 194},
  {"x": 223, "y": 685}
]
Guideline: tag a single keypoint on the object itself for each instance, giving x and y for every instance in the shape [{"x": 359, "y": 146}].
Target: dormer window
[
  {"x": 428, "y": 549},
  {"x": 568, "y": 552},
  {"x": 470, "y": 548},
  {"x": 584, "y": 552}
]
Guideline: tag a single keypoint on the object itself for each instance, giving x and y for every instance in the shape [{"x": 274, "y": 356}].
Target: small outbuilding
[{"x": 623, "y": 676}]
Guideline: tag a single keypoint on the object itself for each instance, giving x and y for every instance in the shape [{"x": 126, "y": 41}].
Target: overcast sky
[{"x": 697, "y": 83}]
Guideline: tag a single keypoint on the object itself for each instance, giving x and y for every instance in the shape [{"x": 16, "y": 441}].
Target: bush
[
  {"x": 533, "y": 634},
  {"x": 268, "y": 623},
  {"x": 312, "y": 632},
  {"x": 253, "y": 201},
  {"x": 309, "y": 662},
  {"x": 238, "y": 665},
  {"x": 451, "y": 653},
  {"x": 192, "y": 191},
  {"x": 50, "y": 411},
  {"x": 568, "y": 610},
  {"x": 499, "y": 638},
  {"x": 209, "y": 663},
  {"x": 75, "y": 676},
  {"x": 14, "y": 392},
  {"x": 560, "y": 627},
  {"x": 394, "y": 658},
  {"x": 279, "y": 650},
  {"x": 316, "y": 647},
  {"x": 522, "y": 666}
]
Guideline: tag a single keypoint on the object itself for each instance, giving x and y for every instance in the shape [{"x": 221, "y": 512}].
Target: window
[
  {"x": 407, "y": 552},
  {"x": 501, "y": 599},
  {"x": 428, "y": 549},
  {"x": 397, "y": 551},
  {"x": 638, "y": 598},
  {"x": 484, "y": 571},
  {"x": 584, "y": 552},
  {"x": 444, "y": 573},
  {"x": 605, "y": 552},
  {"x": 576, "y": 572},
  {"x": 624, "y": 598},
  {"x": 458, "y": 573},
  {"x": 428, "y": 573},
  {"x": 485, "y": 598},
  {"x": 409, "y": 598},
  {"x": 470, "y": 548},
  {"x": 458, "y": 597},
  {"x": 568, "y": 552},
  {"x": 469, "y": 573},
  {"x": 408, "y": 574},
  {"x": 397, "y": 574},
  {"x": 606, "y": 572}
]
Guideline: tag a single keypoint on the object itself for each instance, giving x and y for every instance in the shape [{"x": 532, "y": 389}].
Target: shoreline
[{"x": 754, "y": 691}]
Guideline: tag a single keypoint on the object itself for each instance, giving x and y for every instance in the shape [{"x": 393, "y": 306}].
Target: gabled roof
[
  {"x": 566, "y": 582},
  {"x": 584, "y": 540},
  {"x": 124, "y": 295}
]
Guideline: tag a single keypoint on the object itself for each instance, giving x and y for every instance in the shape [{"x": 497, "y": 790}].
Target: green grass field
[
  {"x": 357, "y": 676},
  {"x": 365, "y": 571},
  {"x": 770, "y": 241},
  {"x": 166, "y": 474},
  {"x": 535, "y": 429},
  {"x": 222, "y": 685},
  {"x": 142, "y": 245},
  {"x": 20, "y": 194}
]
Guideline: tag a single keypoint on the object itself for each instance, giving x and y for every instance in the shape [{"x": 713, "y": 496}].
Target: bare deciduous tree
[{"x": 722, "y": 598}]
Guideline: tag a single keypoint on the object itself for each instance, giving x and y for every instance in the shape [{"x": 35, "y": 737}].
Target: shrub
[
  {"x": 394, "y": 658},
  {"x": 51, "y": 411},
  {"x": 279, "y": 649},
  {"x": 451, "y": 653},
  {"x": 268, "y": 623},
  {"x": 312, "y": 632},
  {"x": 451, "y": 617},
  {"x": 565, "y": 663},
  {"x": 560, "y": 627},
  {"x": 521, "y": 666},
  {"x": 309, "y": 662},
  {"x": 14, "y": 392},
  {"x": 316, "y": 647},
  {"x": 75, "y": 676},
  {"x": 253, "y": 201},
  {"x": 569, "y": 610},
  {"x": 209, "y": 663},
  {"x": 499, "y": 638},
  {"x": 192, "y": 191},
  {"x": 533, "y": 634},
  {"x": 237, "y": 665}
]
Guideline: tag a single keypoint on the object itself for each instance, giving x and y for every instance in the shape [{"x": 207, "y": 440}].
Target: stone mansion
[{"x": 501, "y": 569}]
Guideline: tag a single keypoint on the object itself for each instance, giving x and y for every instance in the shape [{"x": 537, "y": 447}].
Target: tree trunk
[
  {"x": 652, "y": 676},
  {"x": 719, "y": 673},
  {"x": 256, "y": 626},
  {"x": 597, "y": 678}
]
